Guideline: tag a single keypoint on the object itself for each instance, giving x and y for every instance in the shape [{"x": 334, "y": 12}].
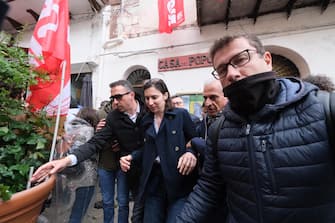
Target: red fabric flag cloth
[
  {"x": 171, "y": 14},
  {"x": 49, "y": 51}
]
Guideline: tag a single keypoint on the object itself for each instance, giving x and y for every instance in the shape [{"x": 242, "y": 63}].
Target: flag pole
[{"x": 54, "y": 139}]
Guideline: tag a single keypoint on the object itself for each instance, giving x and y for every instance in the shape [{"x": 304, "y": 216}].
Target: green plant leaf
[
  {"x": 5, "y": 193},
  {"x": 3, "y": 130},
  {"x": 24, "y": 136}
]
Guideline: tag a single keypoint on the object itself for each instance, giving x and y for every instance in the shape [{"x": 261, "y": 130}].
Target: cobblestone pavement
[{"x": 93, "y": 215}]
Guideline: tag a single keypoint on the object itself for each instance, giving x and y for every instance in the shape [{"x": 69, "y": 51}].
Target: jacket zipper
[
  {"x": 251, "y": 150},
  {"x": 268, "y": 164}
]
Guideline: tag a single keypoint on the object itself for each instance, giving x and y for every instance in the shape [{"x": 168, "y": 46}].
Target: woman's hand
[
  {"x": 64, "y": 144},
  {"x": 50, "y": 168},
  {"x": 186, "y": 163},
  {"x": 125, "y": 162}
]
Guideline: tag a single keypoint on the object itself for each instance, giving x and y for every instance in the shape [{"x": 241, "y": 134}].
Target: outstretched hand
[
  {"x": 186, "y": 163},
  {"x": 50, "y": 168}
]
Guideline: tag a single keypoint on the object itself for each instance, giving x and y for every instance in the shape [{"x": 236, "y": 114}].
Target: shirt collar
[{"x": 134, "y": 116}]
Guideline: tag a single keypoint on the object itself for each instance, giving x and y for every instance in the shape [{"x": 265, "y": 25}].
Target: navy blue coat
[
  {"x": 169, "y": 144},
  {"x": 276, "y": 167}
]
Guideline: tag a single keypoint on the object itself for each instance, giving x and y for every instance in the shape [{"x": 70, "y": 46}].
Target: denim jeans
[
  {"x": 81, "y": 203},
  {"x": 107, "y": 185}
]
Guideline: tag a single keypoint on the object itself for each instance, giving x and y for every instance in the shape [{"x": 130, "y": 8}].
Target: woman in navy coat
[{"x": 168, "y": 165}]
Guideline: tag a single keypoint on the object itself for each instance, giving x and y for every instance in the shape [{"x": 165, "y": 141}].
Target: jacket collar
[
  {"x": 123, "y": 116},
  {"x": 291, "y": 90},
  {"x": 148, "y": 121}
]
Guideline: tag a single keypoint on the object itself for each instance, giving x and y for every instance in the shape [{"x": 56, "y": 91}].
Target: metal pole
[{"x": 54, "y": 139}]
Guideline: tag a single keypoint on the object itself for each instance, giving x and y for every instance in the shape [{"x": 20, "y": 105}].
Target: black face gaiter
[{"x": 250, "y": 94}]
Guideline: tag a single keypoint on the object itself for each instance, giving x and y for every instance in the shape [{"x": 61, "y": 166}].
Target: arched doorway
[
  {"x": 137, "y": 77},
  {"x": 287, "y": 62},
  {"x": 284, "y": 66}
]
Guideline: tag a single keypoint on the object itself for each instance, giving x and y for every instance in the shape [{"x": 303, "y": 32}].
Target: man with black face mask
[{"x": 272, "y": 158}]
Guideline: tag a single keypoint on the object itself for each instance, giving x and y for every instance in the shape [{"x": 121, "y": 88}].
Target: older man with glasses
[
  {"x": 178, "y": 102},
  {"x": 272, "y": 157}
]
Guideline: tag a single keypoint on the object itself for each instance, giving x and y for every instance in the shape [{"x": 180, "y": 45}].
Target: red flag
[
  {"x": 49, "y": 51},
  {"x": 171, "y": 14}
]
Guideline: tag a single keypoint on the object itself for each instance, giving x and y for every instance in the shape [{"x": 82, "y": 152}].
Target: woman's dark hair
[
  {"x": 89, "y": 115},
  {"x": 160, "y": 85}
]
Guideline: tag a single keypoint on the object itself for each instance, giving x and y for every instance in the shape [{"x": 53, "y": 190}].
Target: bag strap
[
  {"x": 327, "y": 99},
  {"x": 214, "y": 130}
]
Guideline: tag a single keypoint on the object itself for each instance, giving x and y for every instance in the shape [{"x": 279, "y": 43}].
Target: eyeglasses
[
  {"x": 236, "y": 61},
  {"x": 118, "y": 96}
]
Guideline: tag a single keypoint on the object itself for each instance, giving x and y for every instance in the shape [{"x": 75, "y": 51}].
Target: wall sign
[{"x": 184, "y": 62}]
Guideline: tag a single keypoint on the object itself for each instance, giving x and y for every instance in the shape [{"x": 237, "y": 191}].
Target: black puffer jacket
[{"x": 276, "y": 168}]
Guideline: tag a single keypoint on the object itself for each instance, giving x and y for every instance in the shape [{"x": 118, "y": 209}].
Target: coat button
[
  {"x": 176, "y": 148},
  {"x": 174, "y": 132}
]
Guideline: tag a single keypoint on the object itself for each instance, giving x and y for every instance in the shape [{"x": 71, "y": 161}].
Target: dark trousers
[
  {"x": 157, "y": 207},
  {"x": 138, "y": 208}
]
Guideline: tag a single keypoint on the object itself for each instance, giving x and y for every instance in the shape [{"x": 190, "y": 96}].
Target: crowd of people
[{"x": 269, "y": 160}]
